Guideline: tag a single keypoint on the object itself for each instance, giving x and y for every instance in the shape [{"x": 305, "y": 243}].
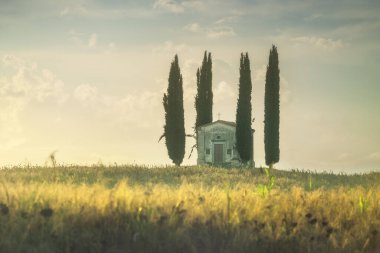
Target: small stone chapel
[{"x": 217, "y": 144}]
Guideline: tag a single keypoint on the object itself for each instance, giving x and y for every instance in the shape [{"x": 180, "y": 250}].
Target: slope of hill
[{"x": 187, "y": 209}]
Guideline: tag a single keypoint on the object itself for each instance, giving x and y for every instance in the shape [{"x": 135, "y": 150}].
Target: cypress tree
[
  {"x": 244, "y": 111},
  {"x": 199, "y": 103},
  {"x": 204, "y": 97},
  {"x": 272, "y": 110},
  {"x": 174, "y": 129},
  {"x": 209, "y": 94}
]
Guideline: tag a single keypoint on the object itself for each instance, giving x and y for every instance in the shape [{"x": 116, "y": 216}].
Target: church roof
[
  {"x": 220, "y": 121},
  {"x": 229, "y": 123}
]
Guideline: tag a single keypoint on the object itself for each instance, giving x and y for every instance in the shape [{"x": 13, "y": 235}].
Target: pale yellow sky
[{"x": 87, "y": 77}]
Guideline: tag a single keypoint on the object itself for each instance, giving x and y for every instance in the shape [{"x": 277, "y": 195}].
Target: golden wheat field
[{"x": 186, "y": 209}]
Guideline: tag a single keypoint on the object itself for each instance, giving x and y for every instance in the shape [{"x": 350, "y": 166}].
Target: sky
[{"x": 85, "y": 78}]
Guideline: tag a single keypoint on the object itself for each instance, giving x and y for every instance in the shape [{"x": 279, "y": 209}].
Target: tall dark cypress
[
  {"x": 272, "y": 110},
  {"x": 204, "y": 97},
  {"x": 174, "y": 129},
  {"x": 244, "y": 111},
  {"x": 209, "y": 94}
]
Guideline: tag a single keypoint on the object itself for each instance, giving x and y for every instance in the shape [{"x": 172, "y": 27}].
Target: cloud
[
  {"x": 193, "y": 27},
  {"x": 259, "y": 76},
  {"x": 220, "y": 31},
  {"x": 169, "y": 5},
  {"x": 26, "y": 84},
  {"x": 314, "y": 17},
  {"x": 223, "y": 91},
  {"x": 285, "y": 93},
  {"x": 92, "y": 40},
  {"x": 75, "y": 36},
  {"x": 193, "y": 4},
  {"x": 87, "y": 41},
  {"x": 178, "y": 6},
  {"x": 259, "y": 73},
  {"x": 29, "y": 82},
  {"x": 8, "y": 144},
  {"x": 344, "y": 156},
  {"x": 213, "y": 32},
  {"x": 86, "y": 93},
  {"x": 365, "y": 12},
  {"x": 375, "y": 156},
  {"x": 319, "y": 42},
  {"x": 188, "y": 71},
  {"x": 110, "y": 47},
  {"x": 168, "y": 47},
  {"x": 363, "y": 30},
  {"x": 227, "y": 19},
  {"x": 77, "y": 10},
  {"x": 138, "y": 108},
  {"x": 105, "y": 12},
  {"x": 10, "y": 127}
]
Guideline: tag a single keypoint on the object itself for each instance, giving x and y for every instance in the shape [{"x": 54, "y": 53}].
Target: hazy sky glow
[{"x": 87, "y": 77}]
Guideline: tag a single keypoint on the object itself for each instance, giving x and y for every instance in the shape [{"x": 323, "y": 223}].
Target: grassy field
[{"x": 187, "y": 209}]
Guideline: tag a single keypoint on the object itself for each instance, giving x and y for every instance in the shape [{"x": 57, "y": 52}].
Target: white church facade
[{"x": 216, "y": 144}]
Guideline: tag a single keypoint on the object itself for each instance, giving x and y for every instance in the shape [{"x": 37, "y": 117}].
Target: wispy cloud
[
  {"x": 111, "y": 47},
  {"x": 227, "y": 20},
  {"x": 358, "y": 30},
  {"x": 169, "y": 5},
  {"x": 320, "y": 42},
  {"x": 171, "y": 48},
  {"x": 77, "y": 10},
  {"x": 314, "y": 16},
  {"x": 193, "y": 4},
  {"x": 223, "y": 91},
  {"x": 86, "y": 93},
  {"x": 94, "y": 11},
  {"x": 10, "y": 126},
  {"x": 30, "y": 82},
  {"x": 364, "y": 12},
  {"x": 374, "y": 156},
  {"x": 285, "y": 93},
  {"x": 178, "y": 6},
  {"x": 92, "y": 40},
  {"x": 192, "y": 27},
  {"x": 259, "y": 73},
  {"x": 137, "y": 108},
  {"x": 213, "y": 32},
  {"x": 220, "y": 31},
  {"x": 75, "y": 36},
  {"x": 259, "y": 76},
  {"x": 344, "y": 156},
  {"x": 25, "y": 84}
]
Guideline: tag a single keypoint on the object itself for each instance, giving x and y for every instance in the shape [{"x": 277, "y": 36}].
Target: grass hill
[{"x": 186, "y": 209}]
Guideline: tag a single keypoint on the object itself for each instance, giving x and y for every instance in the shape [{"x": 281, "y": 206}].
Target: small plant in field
[
  {"x": 363, "y": 204},
  {"x": 228, "y": 207},
  {"x": 51, "y": 159},
  {"x": 271, "y": 179},
  {"x": 310, "y": 183},
  {"x": 227, "y": 189},
  {"x": 264, "y": 190}
]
